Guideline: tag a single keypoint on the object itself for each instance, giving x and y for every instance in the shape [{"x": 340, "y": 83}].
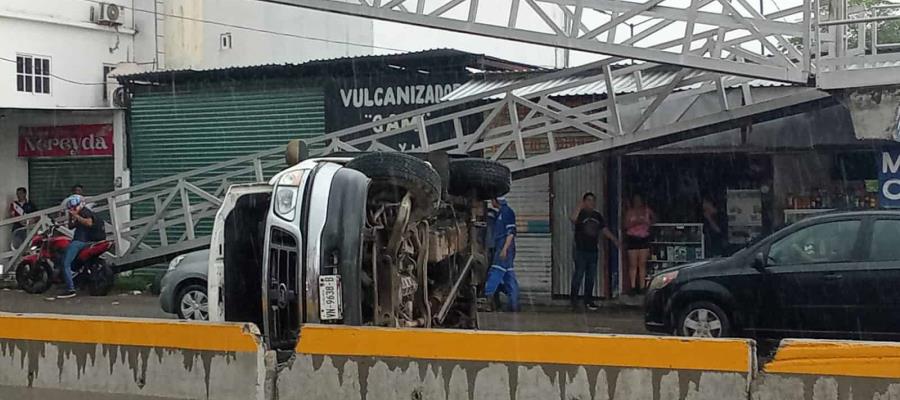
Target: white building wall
[
  {"x": 77, "y": 48},
  {"x": 261, "y": 33}
]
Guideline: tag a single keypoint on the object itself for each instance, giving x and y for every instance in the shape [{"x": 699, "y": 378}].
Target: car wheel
[
  {"x": 396, "y": 174},
  {"x": 703, "y": 319},
  {"x": 193, "y": 303}
]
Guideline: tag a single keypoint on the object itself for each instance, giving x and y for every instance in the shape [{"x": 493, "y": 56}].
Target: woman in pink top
[{"x": 638, "y": 219}]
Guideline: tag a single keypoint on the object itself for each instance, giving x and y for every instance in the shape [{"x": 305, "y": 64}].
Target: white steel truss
[
  {"x": 530, "y": 130},
  {"x": 746, "y": 43}
]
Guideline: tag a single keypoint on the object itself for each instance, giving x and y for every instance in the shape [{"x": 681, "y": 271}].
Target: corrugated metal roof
[
  {"x": 417, "y": 57},
  {"x": 651, "y": 78}
]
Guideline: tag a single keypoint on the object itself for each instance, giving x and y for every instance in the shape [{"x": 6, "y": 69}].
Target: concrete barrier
[
  {"x": 335, "y": 362},
  {"x": 831, "y": 370},
  {"x": 57, "y": 357}
]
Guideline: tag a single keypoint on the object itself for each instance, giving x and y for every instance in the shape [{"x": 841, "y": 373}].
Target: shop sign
[
  {"x": 352, "y": 102},
  {"x": 889, "y": 178},
  {"x": 66, "y": 141}
]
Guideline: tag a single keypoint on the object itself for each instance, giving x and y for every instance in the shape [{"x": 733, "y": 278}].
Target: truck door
[{"x": 235, "y": 256}]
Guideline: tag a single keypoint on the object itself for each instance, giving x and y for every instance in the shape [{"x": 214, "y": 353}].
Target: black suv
[{"x": 829, "y": 276}]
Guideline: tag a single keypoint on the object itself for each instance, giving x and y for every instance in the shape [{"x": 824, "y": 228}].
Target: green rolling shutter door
[
  {"x": 50, "y": 180},
  {"x": 176, "y": 132}
]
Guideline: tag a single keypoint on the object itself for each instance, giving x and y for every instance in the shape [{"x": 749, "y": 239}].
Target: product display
[{"x": 674, "y": 244}]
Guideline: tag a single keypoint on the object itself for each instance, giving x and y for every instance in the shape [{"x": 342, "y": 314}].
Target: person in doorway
[
  {"x": 87, "y": 228},
  {"x": 501, "y": 275},
  {"x": 713, "y": 229},
  {"x": 638, "y": 220},
  {"x": 590, "y": 229},
  {"x": 19, "y": 207}
]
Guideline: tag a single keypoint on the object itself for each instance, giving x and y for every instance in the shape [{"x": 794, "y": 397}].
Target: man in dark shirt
[
  {"x": 589, "y": 225},
  {"x": 88, "y": 228},
  {"x": 20, "y": 206}
]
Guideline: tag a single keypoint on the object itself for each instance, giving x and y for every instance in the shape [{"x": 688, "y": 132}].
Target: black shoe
[
  {"x": 68, "y": 294},
  {"x": 591, "y": 306}
]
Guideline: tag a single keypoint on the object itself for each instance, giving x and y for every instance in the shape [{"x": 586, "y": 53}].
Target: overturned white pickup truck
[{"x": 384, "y": 239}]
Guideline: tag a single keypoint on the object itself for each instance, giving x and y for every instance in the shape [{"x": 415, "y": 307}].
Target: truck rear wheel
[
  {"x": 479, "y": 178},
  {"x": 396, "y": 174}
]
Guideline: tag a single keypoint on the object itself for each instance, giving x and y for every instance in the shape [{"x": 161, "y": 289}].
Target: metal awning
[{"x": 628, "y": 83}]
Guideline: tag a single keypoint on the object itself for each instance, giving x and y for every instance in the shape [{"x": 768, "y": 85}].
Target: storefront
[
  {"x": 759, "y": 178},
  {"x": 60, "y": 157}
]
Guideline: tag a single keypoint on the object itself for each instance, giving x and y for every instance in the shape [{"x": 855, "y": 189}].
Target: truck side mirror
[{"x": 759, "y": 262}]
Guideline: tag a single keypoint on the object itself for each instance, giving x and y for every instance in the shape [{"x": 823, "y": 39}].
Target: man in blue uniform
[{"x": 500, "y": 275}]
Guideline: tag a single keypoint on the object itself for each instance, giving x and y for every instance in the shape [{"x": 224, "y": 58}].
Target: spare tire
[
  {"x": 396, "y": 174},
  {"x": 479, "y": 178}
]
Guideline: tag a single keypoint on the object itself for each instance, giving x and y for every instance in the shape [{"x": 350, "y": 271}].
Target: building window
[
  {"x": 32, "y": 74},
  {"x": 225, "y": 41},
  {"x": 106, "y": 70}
]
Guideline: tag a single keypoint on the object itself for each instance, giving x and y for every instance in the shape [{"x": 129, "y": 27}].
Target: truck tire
[
  {"x": 479, "y": 178},
  {"x": 395, "y": 174}
]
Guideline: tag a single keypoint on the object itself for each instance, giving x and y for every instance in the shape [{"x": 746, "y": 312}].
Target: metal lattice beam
[
  {"x": 525, "y": 128},
  {"x": 747, "y": 43}
]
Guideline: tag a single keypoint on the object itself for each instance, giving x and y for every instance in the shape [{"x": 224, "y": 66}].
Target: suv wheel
[{"x": 703, "y": 319}]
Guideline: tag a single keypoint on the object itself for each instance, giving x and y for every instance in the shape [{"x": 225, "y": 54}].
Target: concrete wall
[
  {"x": 54, "y": 357},
  {"x": 831, "y": 370},
  {"x": 372, "y": 363},
  {"x": 261, "y": 33}
]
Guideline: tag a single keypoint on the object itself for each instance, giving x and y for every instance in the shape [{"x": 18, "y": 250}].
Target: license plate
[{"x": 330, "y": 299}]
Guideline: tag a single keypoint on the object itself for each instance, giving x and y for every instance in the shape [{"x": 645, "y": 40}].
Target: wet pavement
[
  {"x": 610, "y": 319},
  {"x": 144, "y": 305}
]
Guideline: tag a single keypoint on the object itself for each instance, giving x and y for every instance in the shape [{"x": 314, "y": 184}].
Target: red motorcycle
[{"x": 43, "y": 264}]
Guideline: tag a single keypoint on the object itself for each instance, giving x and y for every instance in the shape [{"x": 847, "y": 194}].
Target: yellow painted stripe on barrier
[
  {"x": 129, "y": 332},
  {"x": 857, "y": 359},
  {"x": 549, "y": 348}
]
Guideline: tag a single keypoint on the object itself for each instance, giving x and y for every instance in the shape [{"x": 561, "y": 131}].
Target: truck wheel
[
  {"x": 395, "y": 174},
  {"x": 479, "y": 178}
]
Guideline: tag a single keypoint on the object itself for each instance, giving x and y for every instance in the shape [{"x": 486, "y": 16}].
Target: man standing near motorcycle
[{"x": 88, "y": 228}]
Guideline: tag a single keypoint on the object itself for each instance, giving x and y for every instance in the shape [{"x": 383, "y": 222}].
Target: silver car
[{"x": 184, "y": 286}]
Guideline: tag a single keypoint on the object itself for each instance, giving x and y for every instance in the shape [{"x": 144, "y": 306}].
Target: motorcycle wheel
[
  {"x": 101, "y": 279},
  {"x": 32, "y": 278}
]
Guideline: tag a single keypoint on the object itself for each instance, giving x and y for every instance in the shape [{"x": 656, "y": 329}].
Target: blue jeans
[
  {"x": 585, "y": 271},
  {"x": 71, "y": 253}
]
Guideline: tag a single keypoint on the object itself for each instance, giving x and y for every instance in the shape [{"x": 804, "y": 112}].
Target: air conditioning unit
[
  {"x": 106, "y": 14},
  {"x": 116, "y": 95}
]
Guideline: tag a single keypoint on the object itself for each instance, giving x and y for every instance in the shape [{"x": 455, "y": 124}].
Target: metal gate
[
  {"x": 176, "y": 132},
  {"x": 50, "y": 180},
  {"x": 530, "y": 199}
]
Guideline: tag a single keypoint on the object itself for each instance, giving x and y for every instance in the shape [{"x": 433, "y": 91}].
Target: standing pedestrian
[
  {"x": 638, "y": 220},
  {"x": 501, "y": 275},
  {"x": 19, "y": 207},
  {"x": 590, "y": 229},
  {"x": 713, "y": 229}
]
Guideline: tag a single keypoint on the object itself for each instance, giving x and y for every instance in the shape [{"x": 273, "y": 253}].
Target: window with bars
[{"x": 32, "y": 74}]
